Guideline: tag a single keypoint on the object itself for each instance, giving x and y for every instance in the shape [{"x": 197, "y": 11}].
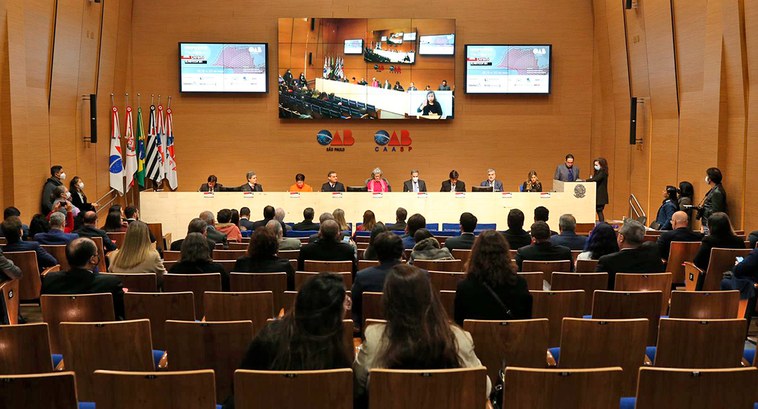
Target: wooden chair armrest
[
  {"x": 163, "y": 363},
  {"x": 56, "y": 267},
  {"x": 551, "y": 360},
  {"x": 691, "y": 275},
  {"x": 647, "y": 362}
]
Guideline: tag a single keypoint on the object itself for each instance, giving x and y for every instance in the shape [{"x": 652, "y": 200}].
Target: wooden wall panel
[
  {"x": 6, "y": 143},
  {"x": 751, "y": 140}
]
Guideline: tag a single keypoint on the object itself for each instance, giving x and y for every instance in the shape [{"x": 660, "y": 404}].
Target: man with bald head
[
  {"x": 328, "y": 247},
  {"x": 680, "y": 232},
  {"x": 285, "y": 243},
  {"x": 89, "y": 229}
]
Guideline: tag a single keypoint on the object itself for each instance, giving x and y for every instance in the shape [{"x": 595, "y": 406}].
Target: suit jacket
[
  {"x": 569, "y": 239},
  {"x": 262, "y": 223},
  {"x": 397, "y": 226},
  {"x": 55, "y": 237},
  {"x": 545, "y": 251},
  {"x": 81, "y": 281},
  {"x": 459, "y": 187},
  {"x": 246, "y": 223},
  {"x": 643, "y": 259},
  {"x": 408, "y": 186},
  {"x": 748, "y": 268},
  {"x": 81, "y": 202},
  {"x": 368, "y": 279},
  {"x": 44, "y": 259},
  {"x": 8, "y": 269},
  {"x": 287, "y": 243},
  {"x": 47, "y": 191},
  {"x": 247, "y": 188},
  {"x": 305, "y": 225},
  {"x": 205, "y": 188},
  {"x": 561, "y": 173},
  {"x": 680, "y": 234},
  {"x": 474, "y": 301},
  {"x": 498, "y": 185},
  {"x": 326, "y": 250},
  {"x": 338, "y": 187},
  {"x": 270, "y": 264},
  {"x": 517, "y": 239},
  {"x": 601, "y": 187},
  {"x": 464, "y": 241},
  {"x": 177, "y": 245},
  {"x": 217, "y": 236},
  {"x": 715, "y": 201},
  {"x": 91, "y": 231}
]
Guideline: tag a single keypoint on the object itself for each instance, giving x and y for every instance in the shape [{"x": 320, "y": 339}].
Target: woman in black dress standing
[{"x": 600, "y": 177}]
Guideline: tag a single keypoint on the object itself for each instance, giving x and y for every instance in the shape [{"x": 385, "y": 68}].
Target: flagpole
[{"x": 169, "y": 102}]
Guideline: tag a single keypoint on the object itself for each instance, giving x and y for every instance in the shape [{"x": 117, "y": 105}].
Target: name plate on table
[
  {"x": 507, "y": 195},
  {"x": 208, "y": 195},
  {"x": 377, "y": 195},
  {"x": 460, "y": 195},
  {"x": 545, "y": 195},
  {"x": 294, "y": 195},
  {"x": 247, "y": 195},
  {"x": 336, "y": 195},
  {"x": 422, "y": 195}
]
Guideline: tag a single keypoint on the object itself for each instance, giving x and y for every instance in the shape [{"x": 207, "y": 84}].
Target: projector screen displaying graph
[
  {"x": 508, "y": 69},
  {"x": 364, "y": 68},
  {"x": 223, "y": 67}
]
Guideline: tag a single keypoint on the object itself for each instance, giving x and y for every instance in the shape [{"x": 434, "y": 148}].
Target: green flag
[{"x": 141, "y": 143}]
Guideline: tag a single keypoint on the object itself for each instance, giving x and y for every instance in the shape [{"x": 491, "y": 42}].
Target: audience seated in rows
[
  {"x": 466, "y": 239},
  {"x": 261, "y": 257},
  {"x": 541, "y": 248},
  {"x": 89, "y": 229},
  {"x": 13, "y": 231},
  {"x": 211, "y": 231},
  {"x": 720, "y": 235},
  {"x": 602, "y": 241},
  {"x": 245, "y": 223},
  {"x": 197, "y": 259},
  {"x": 136, "y": 254},
  {"x": 400, "y": 215},
  {"x": 415, "y": 222},
  {"x": 516, "y": 235},
  {"x": 542, "y": 214},
  {"x": 56, "y": 235},
  {"x": 389, "y": 251},
  {"x": 196, "y": 225},
  {"x": 568, "y": 237},
  {"x": 492, "y": 290},
  {"x": 634, "y": 256},
  {"x": 307, "y": 223},
  {"x": 428, "y": 248},
  {"x": 680, "y": 231},
  {"x": 285, "y": 243},
  {"x": 370, "y": 252},
  {"x": 226, "y": 227},
  {"x": 328, "y": 247},
  {"x": 82, "y": 256}
]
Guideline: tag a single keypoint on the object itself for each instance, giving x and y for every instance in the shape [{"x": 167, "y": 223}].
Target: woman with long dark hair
[
  {"x": 686, "y": 198},
  {"x": 600, "y": 177},
  {"x": 720, "y": 235},
  {"x": 113, "y": 222},
  {"x": 667, "y": 209},
  {"x": 417, "y": 334},
  {"x": 602, "y": 241},
  {"x": 492, "y": 290},
  {"x": 196, "y": 259},
  {"x": 78, "y": 198},
  {"x": 262, "y": 257}
]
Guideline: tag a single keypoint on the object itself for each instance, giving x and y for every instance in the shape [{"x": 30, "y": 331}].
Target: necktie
[
  {"x": 571, "y": 174},
  {"x": 415, "y": 187}
]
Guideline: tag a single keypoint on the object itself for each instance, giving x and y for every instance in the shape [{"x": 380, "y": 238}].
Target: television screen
[
  {"x": 323, "y": 76},
  {"x": 354, "y": 46},
  {"x": 223, "y": 67},
  {"x": 442, "y": 44},
  {"x": 508, "y": 69}
]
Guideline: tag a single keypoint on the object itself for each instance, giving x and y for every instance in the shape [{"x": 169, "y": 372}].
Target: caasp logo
[
  {"x": 391, "y": 143},
  {"x": 335, "y": 143}
]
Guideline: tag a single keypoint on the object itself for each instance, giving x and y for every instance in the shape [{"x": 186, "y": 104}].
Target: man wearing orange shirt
[{"x": 300, "y": 185}]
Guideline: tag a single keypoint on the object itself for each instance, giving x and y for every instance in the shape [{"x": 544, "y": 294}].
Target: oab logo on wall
[
  {"x": 335, "y": 143},
  {"x": 391, "y": 143}
]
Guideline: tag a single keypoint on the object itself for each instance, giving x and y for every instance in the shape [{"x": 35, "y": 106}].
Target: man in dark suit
[
  {"x": 516, "y": 235},
  {"x": 453, "y": 184},
  {"x": 541, "y": 248},
  {"x": 568, "y": 236},
  {"x": 269, "y": 213},
  {"x": 415, "y": 222},
  {"x": 328, "y": 247},
  {"x": 414, "y": 184},
  {"x": 492, "y": 182},
  {"x": 466, "y": 239},
  {"x": 12, "y": 230},
  {"x": 56, "y": 235},
  {"x": 252, "y": 183},
  {"x": 307, "y": 223},
  {"x": 567, "y": 171},
  {"x": 681, "y": 231},
  {"x": 210, "y": 231},
  {"x": 89, "y": 229},
  {"x": 196, "y": 225},
  {"x": 212, "y": 185},
  {"x": 332, "y": 185},
  {"x": 389, "y": 250},
  {"x": 400, "y": 224},
  {"x": 245, "y": 222},
  {"x": 634, "y": 256},
  {"x": 80, "y": 279},
  {"x": 542, "y": 214}
]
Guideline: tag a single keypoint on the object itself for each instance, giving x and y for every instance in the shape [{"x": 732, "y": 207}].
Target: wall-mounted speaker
[
  {"x": 93, "y": 117},
  {"x": 313, "y": 24},
  {"x": 310, "y": 58},
  {"x": 633, "y": 122}
]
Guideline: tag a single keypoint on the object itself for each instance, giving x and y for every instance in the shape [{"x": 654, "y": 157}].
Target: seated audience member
[
  {"x": 466, "y": 239},
  {"x": 369, "y": 221},
  {"x": 491, "y": 181},
  {"x": 338, "y": 215},
  {"x": 753, "y": 239},
  {"x": 82, "y": 256},
  {"x": 516, "y": 235},
  {"x": 57, "y": 176},
  {"x": 331, "y": 184},
  {"x": 226, "y": 226},
  {"x": 269, "y": 213},
  {"x": 245, "y": 223},
  {"x": 196, "y": 225},
  {"x": 492, "y": 290},
  {"x": 261, "y": 257},
  {"x": 252, "y": 184},
  {"x": 136, "y": 255},
  {"x": 307, "y": 223},
  {"x": 235, "y": 220},
  {"x": 370, "y": 252},
  {"x": 328, "y": 247},
  {"x": 634, "y": 255},
  {"x": 62, "y": 204},
  {"x": 211, "y": 232},
  {"x": 542, "y": 214},
  {"x": 744, "y": 276},
  {"x": 8, "y": 270},
  {"x": 541, "y": 248},
  {"x": 212, "y": 185},
  {"x": 568, "y": 236},
  {"x": 131, "y": 215},
  {"x": 389, "y": 250},
  {"x": 377, "y": 183},
  {"x": 415, "y": 222},
  {"x": 13, "y": 211},
  {"x": 196, "y": 259},
  {"x": 300, "y": 185},
  {"x": 308, "y": 337},
  {"x": 113, "y": 223},
  {"x": 78, "y": 198},
  {"x": 453, "y": 184},
  {"x": 602, "y": 241},
  {"x": 417, "y": 334},
  {"x": 279, "y": 215},
  {"x": 400, "y": 215},
  {"x": 680, "y": 232},
  {"x": 12, "y": 231},
  {"x": 667, "y": 209},
  {"x": 532, "y": 184},
  {"x": 414, "y": 184},
  {"x": 328, "y": 216},
  {"x": 721, "y": 236},
  {"x": 428, "y": 248},
  {"x": 285, "y": 243},
  {"x": 39, "y": 224},
  {"x": 89, "y": 229},
  {"x": 56, "y": 235}
]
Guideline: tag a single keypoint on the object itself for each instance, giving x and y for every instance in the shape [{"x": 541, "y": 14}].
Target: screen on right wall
[{"x": 508, "y": 69}]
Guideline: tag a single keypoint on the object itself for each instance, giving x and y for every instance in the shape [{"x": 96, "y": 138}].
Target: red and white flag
[
  {"x": 131, "y": 150},
  {"x": 170, "y": 163},
  {"x": 115, "y": 161}
]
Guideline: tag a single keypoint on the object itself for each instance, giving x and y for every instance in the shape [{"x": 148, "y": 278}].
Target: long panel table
[{"x": 176, "y": 209}]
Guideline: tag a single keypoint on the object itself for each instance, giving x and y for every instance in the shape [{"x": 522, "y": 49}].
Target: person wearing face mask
[
  {"x": 715, "y": 200},
  {"x": 414, "y": 184},
  {"x": 57, "y": 176},
  {"x": 567, "y": 171},
  {"x": 78, "y": 198},
  {"x": 600, "y": 177},
  {"x": 62, "y": 204}
]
